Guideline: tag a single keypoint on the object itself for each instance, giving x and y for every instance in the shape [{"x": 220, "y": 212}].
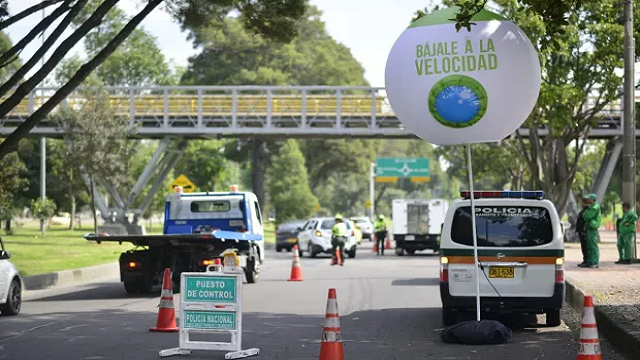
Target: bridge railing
[{"x": 236, "y": 107}]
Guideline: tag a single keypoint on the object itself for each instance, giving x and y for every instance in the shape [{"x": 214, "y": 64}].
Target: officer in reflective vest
[
  {"x": 338, "y": 239},
  {"x": 380, "y": 228}
]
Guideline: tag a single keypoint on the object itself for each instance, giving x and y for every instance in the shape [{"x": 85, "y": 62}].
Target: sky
[{"x": 368, "y": 27}]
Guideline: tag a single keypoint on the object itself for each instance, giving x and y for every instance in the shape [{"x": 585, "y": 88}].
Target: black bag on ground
[{"x": 484, "y": 332}]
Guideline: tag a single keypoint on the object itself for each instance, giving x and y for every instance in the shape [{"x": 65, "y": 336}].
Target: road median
[{"x": 68, "y": 277}]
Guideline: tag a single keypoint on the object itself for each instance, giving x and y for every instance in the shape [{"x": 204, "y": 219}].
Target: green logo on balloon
[{"x": 458, "y": 101}]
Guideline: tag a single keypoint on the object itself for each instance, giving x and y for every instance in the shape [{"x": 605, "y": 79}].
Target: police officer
[
  {"x": 626, "y": 231},
  {"x": 380, "y": 228},
  {"x": 592, "y": 219},
  {"x": 582, "y": 234},
  {"x": 338, "y": 239}
]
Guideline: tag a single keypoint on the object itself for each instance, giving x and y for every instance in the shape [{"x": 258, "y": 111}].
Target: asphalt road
[{"x": 389, "y": 307}]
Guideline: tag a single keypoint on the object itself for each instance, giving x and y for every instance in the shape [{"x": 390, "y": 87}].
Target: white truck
[{"x": 417, "y": 224}]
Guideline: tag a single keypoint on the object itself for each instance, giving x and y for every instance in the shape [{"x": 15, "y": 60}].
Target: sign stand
[
  {"x": 473, "y": 229},
  {"x": 211, "y": 303}
]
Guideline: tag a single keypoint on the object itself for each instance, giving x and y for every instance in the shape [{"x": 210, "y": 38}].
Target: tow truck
[{"x": 198, "y": 229}]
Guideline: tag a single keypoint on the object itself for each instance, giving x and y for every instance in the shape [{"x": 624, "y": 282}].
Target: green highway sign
[
  {"x": 210, "y": 320},
  {"x": 390, "y": 169},
  {"x": 216, "y": 289}
]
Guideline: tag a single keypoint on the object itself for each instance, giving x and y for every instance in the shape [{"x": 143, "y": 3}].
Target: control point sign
[{"x": 458, "y": 87}]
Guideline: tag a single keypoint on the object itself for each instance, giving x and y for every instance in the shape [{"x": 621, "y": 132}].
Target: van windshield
[{"x": 503, "y": 226}]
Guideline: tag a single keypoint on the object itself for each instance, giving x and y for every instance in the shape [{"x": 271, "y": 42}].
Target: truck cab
[{"x": 201, "y": 213}]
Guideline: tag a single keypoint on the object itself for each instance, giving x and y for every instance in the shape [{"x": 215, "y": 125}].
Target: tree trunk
[
  {"x": 72, "y": 198},
  {"x": 93, "y": 205},
  {"x": 7, "y": 228},
  {"x": 258, "y": 170},
  {"x": 33, "y": 9}
]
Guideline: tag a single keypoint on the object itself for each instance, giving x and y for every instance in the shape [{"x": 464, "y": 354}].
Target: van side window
[
  {"x": 503, "y": 226},
  {"x": 255, "y": 204}
]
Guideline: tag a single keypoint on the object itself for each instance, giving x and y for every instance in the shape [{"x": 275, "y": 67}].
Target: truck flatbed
[{"x": 211, "y": 238}]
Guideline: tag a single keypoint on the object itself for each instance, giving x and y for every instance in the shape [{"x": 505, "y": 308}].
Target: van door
[{"x": 516, "y": 249}]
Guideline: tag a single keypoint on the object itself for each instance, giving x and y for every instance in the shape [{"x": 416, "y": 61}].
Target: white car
[
  {"x": 365, "y": 226},
  {"x": 10, "y": 285},
  {"x": 315, "y": 237}
]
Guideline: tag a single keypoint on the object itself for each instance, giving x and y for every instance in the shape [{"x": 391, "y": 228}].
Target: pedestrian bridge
[{"x": 255, "y": 111}]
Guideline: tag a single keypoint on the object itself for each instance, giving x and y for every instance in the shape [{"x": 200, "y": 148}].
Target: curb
[
  {"x": 66, "y": 277},
  {"x": 624, "y": 339}
]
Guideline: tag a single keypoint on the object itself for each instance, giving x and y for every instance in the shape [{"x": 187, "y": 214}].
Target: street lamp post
[{"x": 629, "y": 127}]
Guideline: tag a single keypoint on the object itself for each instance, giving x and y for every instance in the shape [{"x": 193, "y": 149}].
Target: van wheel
[
  {"x": 252, "y": 271},
  {"x": 449, "y": 316},
  {"x": 312, "y": 251},
  {"x": 553, "y": 317},
  {"x": 411, "y": 252},
  {"x": 352, "y": 253}
]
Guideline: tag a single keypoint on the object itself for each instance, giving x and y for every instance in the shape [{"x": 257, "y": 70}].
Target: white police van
[{"x": 520, "y": 253}]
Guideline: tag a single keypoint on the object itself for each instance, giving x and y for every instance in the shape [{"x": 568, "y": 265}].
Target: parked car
[
  {"x": 365, "y": 226},
  {"x": 10, "y": 285},
  {"x": 315, "y": 237},
  {"x": 287, "y": 234}
]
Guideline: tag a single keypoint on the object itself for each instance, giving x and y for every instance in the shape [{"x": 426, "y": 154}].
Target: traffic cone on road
[
  {"x": 166, "y": 315},
  {"x": 375, "y": 246},
  {"x": 296, "y": 271},
  {"x": 589, "y": 342},
  {"x": 331, "y": 346},
  {"x": 387, "y": 244}
]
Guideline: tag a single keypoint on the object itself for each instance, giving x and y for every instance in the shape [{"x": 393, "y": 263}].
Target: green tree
[
  {"x": 272, "y": 18},
  {"x": 97, "y": 143},
  {"x": 590, "y": 52},
  {"x": 12, "y": 182},
  {"x": 204, "y": 164},
  {"x": 232, "y": 55},
  {"x": 289, "y": 184},
  {"x": 43, "y": 210}
]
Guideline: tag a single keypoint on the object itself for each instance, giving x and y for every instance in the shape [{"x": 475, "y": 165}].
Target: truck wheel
[
  {"x": 553, "y": 317},
  {"x": 352, "y": 253},
  {"x": 14, "y": 300},
  {"x": 252, "y": 271},
  {"x": 399, "y": 251},
  {"x": 449, "y": 317},
  {"x": 134, "y": 287}
]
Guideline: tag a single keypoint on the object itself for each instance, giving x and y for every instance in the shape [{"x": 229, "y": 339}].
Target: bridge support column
[
  {"x": 600, "y": 184},
  {"x": 117, "y": 217}
]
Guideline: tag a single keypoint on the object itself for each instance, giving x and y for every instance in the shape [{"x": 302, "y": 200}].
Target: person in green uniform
[
  {"x": 592, "y": 218},
  {"x": 626, "y": 232},
  {"x": 380, "y": 228},
  {"x": 338, "y": 239}
]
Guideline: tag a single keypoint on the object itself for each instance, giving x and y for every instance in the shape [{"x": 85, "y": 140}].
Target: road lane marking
[{"x": 72, "y": 327}]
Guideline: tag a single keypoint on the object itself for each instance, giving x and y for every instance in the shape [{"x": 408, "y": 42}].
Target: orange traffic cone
[
  {"x": 387, "y": 244},
  {"x": 331, "y": 346},
  {"x": 166, "y": 315},
  {"x": 375, "y": 246},
  {"x": 589, "y": 342},
  {"x": 296, "y": 271}
]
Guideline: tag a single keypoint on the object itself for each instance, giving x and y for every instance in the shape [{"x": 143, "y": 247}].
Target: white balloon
[{"x": 451, "y": 87}]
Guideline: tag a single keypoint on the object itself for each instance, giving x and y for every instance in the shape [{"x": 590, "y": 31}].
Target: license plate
[
  {"x": 292, "y": 240},
  {"x": 409, "y": 237},
  {"x": 502, "y": 272}
]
